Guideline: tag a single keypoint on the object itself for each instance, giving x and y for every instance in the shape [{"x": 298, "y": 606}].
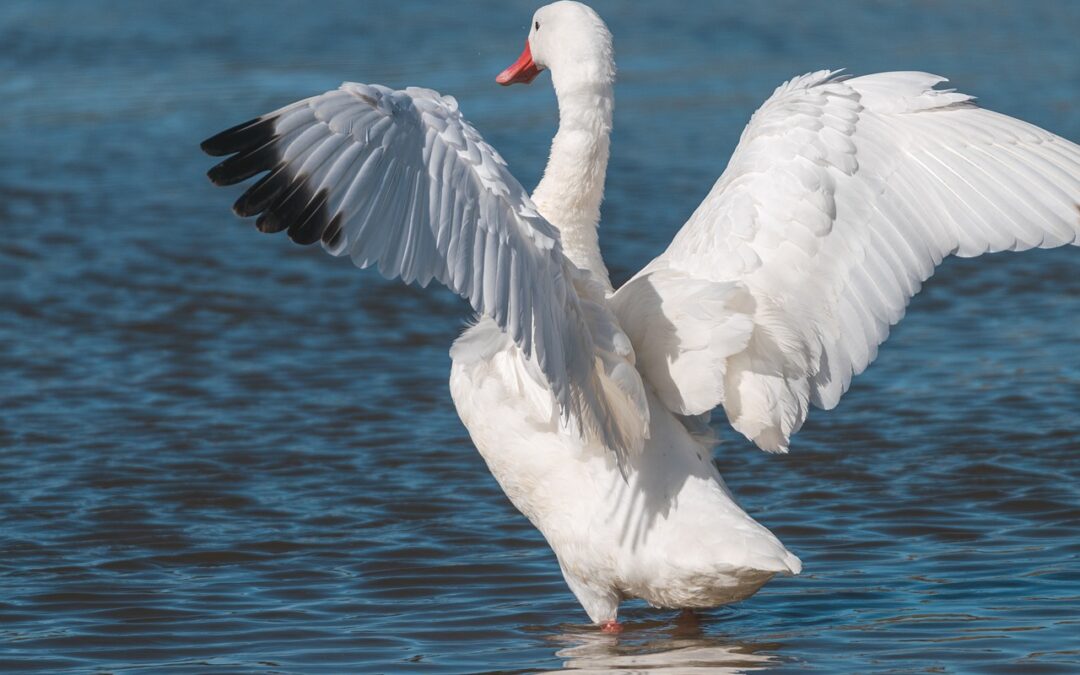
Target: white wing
[
  {"x": 841, "y": 198},
  {"x": 399, "y": 180}
]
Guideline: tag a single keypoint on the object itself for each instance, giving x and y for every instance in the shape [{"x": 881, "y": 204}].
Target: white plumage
[
  {"x": 841, "y": 198},
  {"x": 591, "y": 405}
]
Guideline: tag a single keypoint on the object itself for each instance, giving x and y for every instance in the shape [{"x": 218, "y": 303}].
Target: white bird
[{"x": 591, "y": 405}]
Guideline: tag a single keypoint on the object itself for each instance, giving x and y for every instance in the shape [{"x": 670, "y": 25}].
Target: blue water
[{"x": 224, "y": 453}]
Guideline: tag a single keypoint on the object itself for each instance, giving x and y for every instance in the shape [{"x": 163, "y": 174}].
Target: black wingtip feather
[
  {"x": 280, "y": 199},
  {"x": 259, "y": 196},
  {"x": 245, "y": 136},
  {"x": 331, "y": 236},
  {"x": 268, "y": 223},
  {"x": 309, "y": 225},
  {"x": 291, "y": 203},
  {"x": 242, "y": 166}
]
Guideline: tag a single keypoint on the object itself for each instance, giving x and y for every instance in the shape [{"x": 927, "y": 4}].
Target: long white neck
[{"x": 572, "y": 188}]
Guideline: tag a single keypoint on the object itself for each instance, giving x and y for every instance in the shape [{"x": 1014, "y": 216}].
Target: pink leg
[{"x": 611, "y": 627}]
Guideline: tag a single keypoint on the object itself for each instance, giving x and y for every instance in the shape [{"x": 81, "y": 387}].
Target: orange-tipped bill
[{"x": 522, "y": 70}]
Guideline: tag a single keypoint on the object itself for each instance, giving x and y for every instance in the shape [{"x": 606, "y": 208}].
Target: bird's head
[{"x": 569, "y": 39}]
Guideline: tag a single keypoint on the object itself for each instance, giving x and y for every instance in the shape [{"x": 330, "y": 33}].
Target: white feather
[{"x": 841, "y": 198}]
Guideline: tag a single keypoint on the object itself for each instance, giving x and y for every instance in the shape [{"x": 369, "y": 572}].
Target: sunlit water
[{"x": 224, "y": 453}]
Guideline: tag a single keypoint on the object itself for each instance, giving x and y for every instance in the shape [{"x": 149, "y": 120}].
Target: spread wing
[
  {"x": 841, "y": 198},
  {"x": 399, "y": 180}
]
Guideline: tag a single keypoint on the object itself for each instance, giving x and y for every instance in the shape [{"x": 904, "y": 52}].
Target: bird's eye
[{"x": 537, "y": 25}]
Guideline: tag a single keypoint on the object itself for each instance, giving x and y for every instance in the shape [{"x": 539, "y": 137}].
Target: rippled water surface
[{"x": 224, "y": 453}]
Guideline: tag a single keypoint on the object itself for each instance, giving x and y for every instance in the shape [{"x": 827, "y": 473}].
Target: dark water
[{"x": 223, "y": 453}]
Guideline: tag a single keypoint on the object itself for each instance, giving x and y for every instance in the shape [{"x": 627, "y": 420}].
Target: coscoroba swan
[{"x": 590, "y": 405}]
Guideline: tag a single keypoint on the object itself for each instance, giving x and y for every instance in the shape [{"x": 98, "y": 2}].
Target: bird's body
[
  {"x": 591, "y": 405},
  {"x": 669, "y": 533}
]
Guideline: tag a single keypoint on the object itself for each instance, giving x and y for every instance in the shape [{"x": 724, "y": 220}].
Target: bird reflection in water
[{"x": 658, "y": 646}]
